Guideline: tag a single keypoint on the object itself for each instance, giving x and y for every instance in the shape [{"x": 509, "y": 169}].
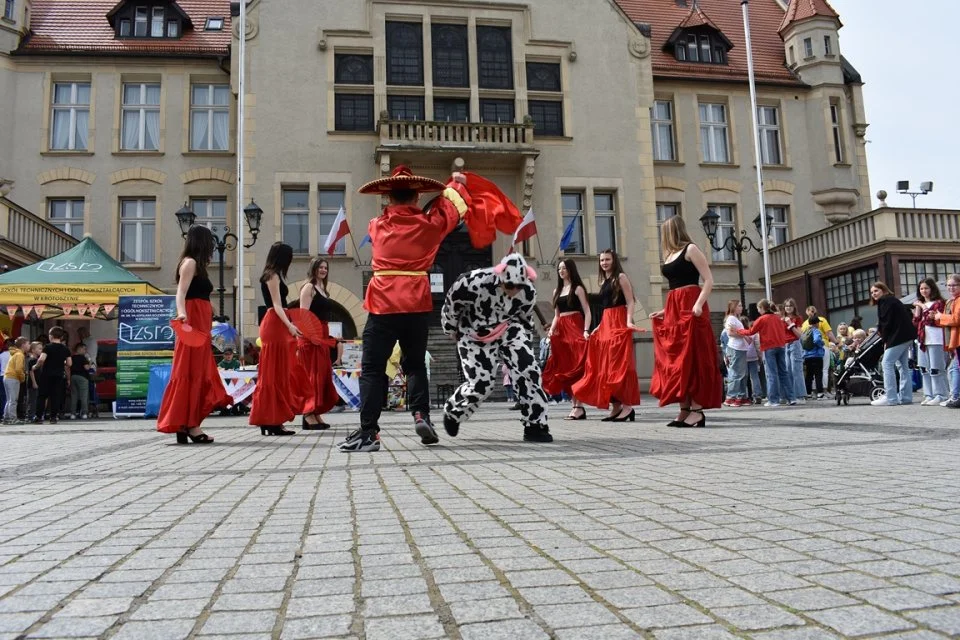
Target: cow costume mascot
[{"x": 490, "y": 313}]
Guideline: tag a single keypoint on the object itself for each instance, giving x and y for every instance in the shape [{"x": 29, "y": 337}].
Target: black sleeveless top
[
  {"x": 320, "y": 306},
  {"x": 564, "y": 306},
  {"x": 267, "y": 300},
  {"x": 200, "y": 288},
  {"x": 606, "y": 295},
  {"x": 680, "y": 272}
]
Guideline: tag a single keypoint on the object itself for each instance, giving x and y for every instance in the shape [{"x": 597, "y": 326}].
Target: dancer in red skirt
[
  {"x": 568, "y": 336},
  {"x": 316, "y": 358},
  {"x": 610, "y": 374},
  {"x": 195, "y": 388},
  {"x": 686, "y": 369},
  {"x": 281, "y": 381}
]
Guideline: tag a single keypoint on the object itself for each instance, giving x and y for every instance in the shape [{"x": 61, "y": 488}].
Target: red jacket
[
  {"x": 770, "y": 327},
  {"x": 797, "y": 322}
]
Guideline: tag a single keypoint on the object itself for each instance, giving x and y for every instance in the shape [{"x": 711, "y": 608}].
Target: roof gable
[
  {"x": 697, "y": 20},
  {"x": 172, "y": 4},
  {"x": 798, "y": 10}
]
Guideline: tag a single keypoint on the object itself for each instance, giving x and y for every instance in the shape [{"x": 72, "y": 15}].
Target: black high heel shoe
[
  {"x": 630, "y": 416},
  {"x": 582, "y": 416},
  {"x": 276, "y": 431},
  {"x": 313, "y": 426},
  {"x": 202, "y": 438},
  {"x": 613, "y": 416},
  {"x": 702, "y": 422},
  {"x": 678, "y": 422}
]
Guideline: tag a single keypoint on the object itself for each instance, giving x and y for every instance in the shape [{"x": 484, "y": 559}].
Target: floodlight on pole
[{"x": 903, "y": 186}]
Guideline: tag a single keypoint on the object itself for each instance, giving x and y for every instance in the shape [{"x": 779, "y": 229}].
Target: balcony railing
[
  {"x": 33, "y": 234},
  {"x": 480, "y": 135},
  {"x": 881, "y": 225}
]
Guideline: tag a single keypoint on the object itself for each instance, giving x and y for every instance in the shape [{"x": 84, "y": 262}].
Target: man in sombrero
[{"x": 405, "y": 242}]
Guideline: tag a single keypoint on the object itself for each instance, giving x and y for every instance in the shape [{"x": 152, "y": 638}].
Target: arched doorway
[
  {"x": 457, "y": 256},
  {"x": 339, "y": 314}
]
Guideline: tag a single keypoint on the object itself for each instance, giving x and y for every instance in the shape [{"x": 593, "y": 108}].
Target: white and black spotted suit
[{"x": 491, "y": 327}]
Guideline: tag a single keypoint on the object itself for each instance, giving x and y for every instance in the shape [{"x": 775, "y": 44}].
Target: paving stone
[
  {"x": 900, "y": 599},
  {"x": 860, "y": 620},
  {"x": 811, "y": 598},
  {"x": 405, "y": 627},
  {"x": 155, "y": 630},
  {"x": 606, "y": 631},
  {"x": 15, "y": 622},
  {"x": 575, "y": 615},
  {"x": 668, "y": 615},
  {"x": 703, "y": 632},
  {"x": 637, "y": 597},
  {"x": 73, "y": 627},
  {"x": 166, "y": 609},
  {"x": 240, "y": 622},
  {"x": 317, "y": 627},
  {"x": 94, "y": 607},
  {"x": 503, "y": 630},
  {"x": 945, "y": 620},
  {"x": 485, "y": 610},
  {"x": 554, "y": 595},
  {"x": 756, "y": 617},
  {"x": 724, "y": 597},
  {"x": 397, "y": 605}
]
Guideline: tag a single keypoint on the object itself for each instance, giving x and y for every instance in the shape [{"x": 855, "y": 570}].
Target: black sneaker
[
  {"x": 451, "y": 426},
  {"x": 425, "y": 430},
  {"x": 953, "y": 404},
  {"x": 360, "y": 441},
  {"x": 537, "y": 434}
]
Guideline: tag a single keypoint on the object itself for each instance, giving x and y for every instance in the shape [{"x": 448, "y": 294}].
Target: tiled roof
[
  {"x": 803, "y": 9},
  {"x": 696, "y": 18},
  {"x": 81, "y": 26},
  {"x": 769, "y": 59}
]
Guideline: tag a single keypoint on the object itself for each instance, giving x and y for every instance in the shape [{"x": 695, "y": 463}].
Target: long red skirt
[
  {"x": 568, "y": 355},
  {"x": 611, "y": 370},
  {"x": 195, "y": 387},
  {"x": 315, "y": 359},
  {"x": 685, "y": 354},
  {"x": 281, "y": 380}
]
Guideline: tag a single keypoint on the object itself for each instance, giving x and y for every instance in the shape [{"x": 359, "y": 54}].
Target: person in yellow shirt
[
  {"x": 828, "y": 337},
  {"x": 14, "y": 375}
]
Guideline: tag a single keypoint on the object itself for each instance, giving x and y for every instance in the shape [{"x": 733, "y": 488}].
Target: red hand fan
[
  {"x": 310, "y": 327},
  {"x": 187, "y": 334}
]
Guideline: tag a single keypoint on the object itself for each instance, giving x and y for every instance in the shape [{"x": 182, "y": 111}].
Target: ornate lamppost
[{"x": 737, "y": 241}]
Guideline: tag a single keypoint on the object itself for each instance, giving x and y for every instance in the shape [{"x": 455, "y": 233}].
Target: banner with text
[{"x": 145, "y": 338}]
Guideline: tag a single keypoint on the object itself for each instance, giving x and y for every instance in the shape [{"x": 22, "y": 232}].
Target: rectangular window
[
  {"x": 808, "y": 47},
  {"x": 911, "y": 273},
  {"x": 837, "y": 132},
  {"x": 210, "y": 117},
  {"x": 405, "y": 107},
  {"x": 67, "y": 215},
  {"x": 572, "y": 204},
  {"x": 768, "y": 119},
  {"x": 500, "y": 111},
  {"x": 70, "y": 119},
  {"x": 211, "y": 213},
  {"x": 156, "y": 23},
  {"x": 605, "y": 220},
  {"x": 661, "y": 124},
  {"x": 295, "y": 211},
  {"x": 137, "y": 230},
  {"x": 665, "y": 211},
  {"x": 173, "y": 29},
  {"x": 451, "y": 110},
  {"x": 141, "y": 117},
  {"x": 450, "y": 58},
  {"x": 140, "y": 22},
  {"x": 543, "y": 76},
  {"x": 352, "y": 68},
  {"x": 8, "y": 7},
  {"x": 494, "y": 57},
  {"x": 705, "y": 49},
  {"x": 547, "y": 117},
  {"x": 124, "y": 28},
  {"x": 827, "y": 46},
  {"x": 725, "y": 229},
  {"x": 405, "y": 53},
  {"x": 713, "y": 133},
  {"x": 331, "y": 200},
  {"x": 354, "y": 112},
  {"x": 780, "y": 227},
  {"x": 793, "y": 56},
  {"x": 848, "y": 295}
]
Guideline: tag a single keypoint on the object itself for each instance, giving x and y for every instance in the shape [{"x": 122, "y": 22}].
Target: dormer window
[
  {"x": 148, "y": 19},
  {"x": 214, "y": 24},
  {"x": 700, "y": 48}
]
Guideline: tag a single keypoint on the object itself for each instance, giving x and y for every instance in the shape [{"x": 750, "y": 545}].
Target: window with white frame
[
  {"x": 67, "y": 215},
  {"x": 780, "y": 227},
  {"x": 725, "y": 229},
  {"x": 295, "y": 212},
  {"x": 912, "y": 272},
  {"x": 836, "y": 131},
  {"x": 8, "y": 8},
  {"x": 605, "y": 220},
  {"x": 768, "y": 119},
  {"x": 211, "y": 213},
  {"x": 209, "y": 117},
  {"x": 141, "y": 117},
  {"x": 140, "y": 22},
  {"x": 827, "y": 46},
  {"x": 665, "y": 211},
  {"x": 331, "y": 200},
  {"x": 138, "y": 218},
  {"x": 157, "y": 22},
  {"x": 713, "y": 132},
  {"x": 70, "y": 119},
  {"x": 572, "y": 204},
  {"x": 661, "y": 124},
  {"x": 808, "y": 47}
]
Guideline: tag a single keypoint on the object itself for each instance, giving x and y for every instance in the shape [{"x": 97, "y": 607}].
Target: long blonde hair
[{"x": 673, "y": 235}]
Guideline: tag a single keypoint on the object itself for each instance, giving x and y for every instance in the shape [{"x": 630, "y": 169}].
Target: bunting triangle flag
[
  {"x": 81, "y": 309},
  {"x": 67, "y": 308},
  {"x": 39, "y": 309},
  {"x": 12, "y": 310},
  {"x": 27, "y": 308},
  {"x": 107, "y": 308}
]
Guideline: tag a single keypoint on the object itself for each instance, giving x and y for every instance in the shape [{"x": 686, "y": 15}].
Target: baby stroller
[{"x": 861, "y": 374}]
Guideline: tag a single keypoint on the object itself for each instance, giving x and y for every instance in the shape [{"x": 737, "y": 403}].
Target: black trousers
[
  {"x": 380, "y": 335},
  {"x": 813, "y": 373},
  {"x": 54, "y": 389}
]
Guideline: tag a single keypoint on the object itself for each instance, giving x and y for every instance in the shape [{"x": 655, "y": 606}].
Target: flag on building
[
  {"x": 366, "y": 240},
  {"x": 568, "y": 234},
  {"x": 338, "y": 230},
  {"x": 527, "y": 228}
]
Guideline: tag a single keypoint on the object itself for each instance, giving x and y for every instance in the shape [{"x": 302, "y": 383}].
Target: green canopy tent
[{"x": 84, "y": 278}]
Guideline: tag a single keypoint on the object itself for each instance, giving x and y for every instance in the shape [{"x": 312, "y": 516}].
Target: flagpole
[
  {"x": 745, "y": 6},
  {"x": 241, "y": 106},
  {"x": 356, "y": 251},
  {"x": 560, "y": 246}
]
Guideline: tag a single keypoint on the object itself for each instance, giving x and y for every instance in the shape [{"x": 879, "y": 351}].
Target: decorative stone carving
[
  {"x": 860, "y": 130},
  {"x": 837, "y": 204},
  {"x": 529, "y": 170},
  {"x": 639, "y": 47}
]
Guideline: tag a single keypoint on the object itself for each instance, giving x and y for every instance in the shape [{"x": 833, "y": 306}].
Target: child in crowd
[
  {"x": 13, "y": 376},
  {"x": 229, "y": 362},
  {"x": 773, "y": 339},
  {"x": 79, "y": 383},
  {"x": 753, "y": 364},
  {"x": 814, "y": 352},
  {"x": 36, "y": 348}
]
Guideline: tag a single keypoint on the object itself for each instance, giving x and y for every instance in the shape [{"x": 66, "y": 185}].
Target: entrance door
[{"x": 457, "y": 256}]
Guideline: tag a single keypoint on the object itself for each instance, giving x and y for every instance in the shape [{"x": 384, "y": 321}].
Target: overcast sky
[{"x": 907, "y": 55}]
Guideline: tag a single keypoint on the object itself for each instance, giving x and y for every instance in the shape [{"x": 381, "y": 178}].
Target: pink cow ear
[
  {"x": 500, "y": 268},
  {"x": 531, "y": 273}
]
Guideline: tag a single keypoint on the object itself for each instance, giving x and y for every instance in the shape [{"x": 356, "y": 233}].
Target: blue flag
[
  {"x": 567, "y": 236},
  {"x": 365, "y": 240}
]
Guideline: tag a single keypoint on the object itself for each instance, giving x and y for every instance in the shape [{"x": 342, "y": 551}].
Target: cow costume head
[{"x": 514, "y": 273}]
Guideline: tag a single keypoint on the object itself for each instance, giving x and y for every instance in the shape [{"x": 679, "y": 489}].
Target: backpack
[{"x": 806, "y": 339}]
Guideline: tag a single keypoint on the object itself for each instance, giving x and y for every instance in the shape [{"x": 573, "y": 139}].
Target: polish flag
[
  {"x": 337, "y": 231},
  {"x": 527, "y": 228}
]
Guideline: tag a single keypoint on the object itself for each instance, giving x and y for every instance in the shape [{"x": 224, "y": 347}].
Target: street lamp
[
  {"x": 738, "y": 242},
  {"x": 186, "y": 218},
  {"x": 903, "y": 186}
]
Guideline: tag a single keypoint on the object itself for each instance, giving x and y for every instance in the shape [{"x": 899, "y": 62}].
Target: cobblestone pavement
[{"x": 787, "y": 524}]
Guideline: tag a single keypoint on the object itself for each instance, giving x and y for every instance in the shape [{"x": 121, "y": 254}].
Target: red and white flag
[
  {"x": 339, "y": 229},
  {"x": 527, "y": 228}
]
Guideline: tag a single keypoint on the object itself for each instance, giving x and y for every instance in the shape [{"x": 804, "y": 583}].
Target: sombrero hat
[{"x": 402, "y": 178}]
